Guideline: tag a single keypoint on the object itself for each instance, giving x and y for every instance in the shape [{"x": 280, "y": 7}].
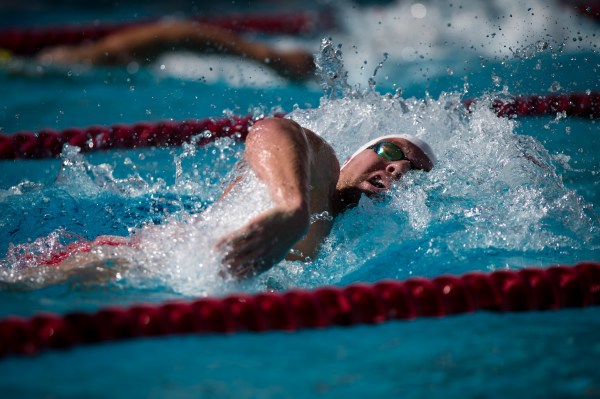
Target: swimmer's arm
[
  {"x": 145, "y": 42},
  {"x": 279, "y": 153}
]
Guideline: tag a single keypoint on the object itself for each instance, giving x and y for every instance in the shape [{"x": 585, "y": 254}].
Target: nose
[{"x": 398, "y": 168}]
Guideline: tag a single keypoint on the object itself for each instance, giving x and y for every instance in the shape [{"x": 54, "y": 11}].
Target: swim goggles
[{"x": 390, "y": 152}]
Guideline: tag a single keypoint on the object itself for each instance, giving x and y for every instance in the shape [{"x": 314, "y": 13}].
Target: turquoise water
[{"x": 485, "y": 207}]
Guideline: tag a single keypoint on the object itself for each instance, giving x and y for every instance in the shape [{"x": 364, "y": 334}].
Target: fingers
[
  {"x": 235, "y": 246},
  {"x": 245, "y": 253},
  {"x": 244, "y": 269},
  {"x": 244, "y": 258}
]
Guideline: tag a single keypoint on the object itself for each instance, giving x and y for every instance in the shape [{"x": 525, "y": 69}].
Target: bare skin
[
  {"x": 143, "y": 43},
  {"x": 300, "y": 170}
]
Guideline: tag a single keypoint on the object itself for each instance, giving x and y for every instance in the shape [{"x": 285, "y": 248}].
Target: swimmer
[
  {"x": 303, "y": 177},
  {"x": 143, "y": 43}
]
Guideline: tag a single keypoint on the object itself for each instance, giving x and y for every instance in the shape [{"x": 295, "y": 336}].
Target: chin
[
  {"x": 375, "y": 194},
  {"x": 378, "y": 197}
]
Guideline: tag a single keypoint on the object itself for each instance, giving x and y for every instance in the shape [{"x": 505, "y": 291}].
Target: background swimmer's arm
[
  {"x": 280, "y": 155},
  {"x": 144, "y": 42}
]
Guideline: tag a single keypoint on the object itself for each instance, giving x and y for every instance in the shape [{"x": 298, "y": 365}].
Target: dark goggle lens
[{"x": 388, "y": 151}]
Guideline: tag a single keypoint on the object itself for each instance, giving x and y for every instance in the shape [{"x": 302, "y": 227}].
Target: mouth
[{"x": 378, "y": 183}]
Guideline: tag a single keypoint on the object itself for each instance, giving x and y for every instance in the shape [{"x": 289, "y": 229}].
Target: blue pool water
[{"x": 485, "y": 206}]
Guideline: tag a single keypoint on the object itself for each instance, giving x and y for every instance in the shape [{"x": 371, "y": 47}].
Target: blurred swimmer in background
[{"x": 144, "y": 43}]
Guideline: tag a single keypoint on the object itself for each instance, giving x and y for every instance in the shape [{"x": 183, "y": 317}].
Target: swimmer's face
[{"x": 376, "y": 168}]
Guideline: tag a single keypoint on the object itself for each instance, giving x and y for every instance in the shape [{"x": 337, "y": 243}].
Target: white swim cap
[{"x": 423, "y": 146}]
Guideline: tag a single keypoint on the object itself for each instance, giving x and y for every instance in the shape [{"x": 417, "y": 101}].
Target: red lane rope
[
  {"x": 588, "y": 8},
  {"x": 532, "y": 289},
  {"x": 585, "y": 105},
  {"x": 30, "y": 41},
  {"x": 48, "y": 142}
]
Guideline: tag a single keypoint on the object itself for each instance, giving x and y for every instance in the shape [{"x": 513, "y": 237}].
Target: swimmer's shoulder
[
  {"x": 325, "y": 166},
  {"x": 321, "y": 147}
]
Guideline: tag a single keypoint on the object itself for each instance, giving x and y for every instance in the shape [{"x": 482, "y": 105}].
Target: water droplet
[
  {"x": 132, "y": 68},
  {"x": 554, "y": 87},
  {"x": 496, "y": 79},
  {"x": 418, "y": 10}
]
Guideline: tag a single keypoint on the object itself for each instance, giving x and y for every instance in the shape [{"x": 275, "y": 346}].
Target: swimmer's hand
[
  {"x": 296, "y": 65},
  {"x": 262, "y": 242}
]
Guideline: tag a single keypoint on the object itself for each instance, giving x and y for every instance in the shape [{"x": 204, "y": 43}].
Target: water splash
[
  {"x": 333, "y": 76},
  {"x": 77, "y": 174},
  {"x": 180, "y": 252},
  {"x": 29, "y": 255},
  {"x": 372, "y": 82},
  {"x": 165, "y": 205},
  {"x": 330, "y": 69},
  {"x": 531, "y": 50}
]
